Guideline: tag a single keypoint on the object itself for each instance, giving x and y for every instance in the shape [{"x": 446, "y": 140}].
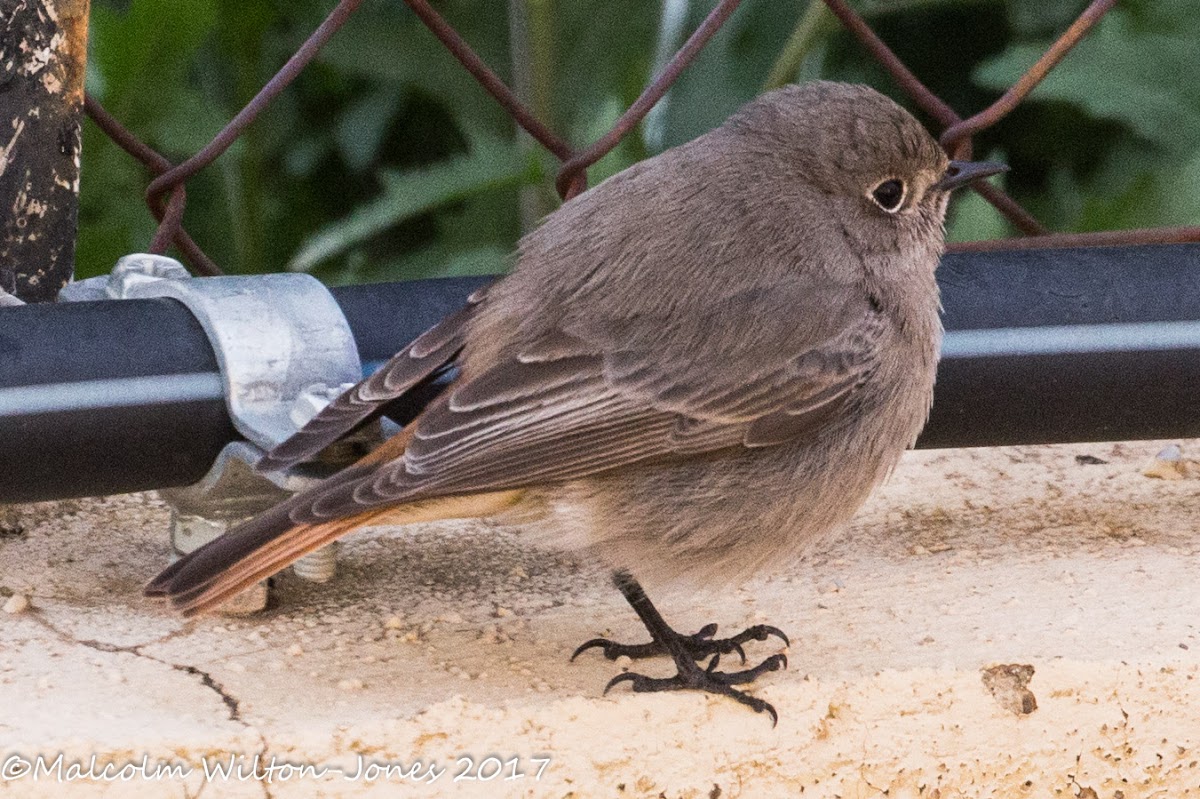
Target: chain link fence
[{"x": 166, "y": 194}]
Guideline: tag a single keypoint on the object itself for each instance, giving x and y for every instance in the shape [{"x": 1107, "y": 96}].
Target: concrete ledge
[{"x": 448, "y": 644}]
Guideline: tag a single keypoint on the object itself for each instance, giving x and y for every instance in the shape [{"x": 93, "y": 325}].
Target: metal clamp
[
  {"x": 275, "y": 337},
  {"x": 284, "y": 350}
]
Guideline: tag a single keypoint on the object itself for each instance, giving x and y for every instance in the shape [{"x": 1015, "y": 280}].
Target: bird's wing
[
  {"x": 421, "y": 359},
  {"x": 753, "y": 369},
  {"x": 579, "y": 399}
]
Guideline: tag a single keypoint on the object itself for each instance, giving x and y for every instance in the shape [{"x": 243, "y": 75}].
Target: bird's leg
[
  {"x": 685, "y": 650},
  {"x": 700, "y": 645}
]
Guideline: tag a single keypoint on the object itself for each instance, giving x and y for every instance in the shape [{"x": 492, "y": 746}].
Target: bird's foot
[
  {"x": 686, "y": 651},
  {"x": 692, "y": 677},
  {"x": 699, "y": 645}
]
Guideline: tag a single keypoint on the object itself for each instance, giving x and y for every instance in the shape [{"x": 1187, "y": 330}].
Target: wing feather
[
  {"x": 573, "y": 401},
  {"x": 431, "y": 351}
]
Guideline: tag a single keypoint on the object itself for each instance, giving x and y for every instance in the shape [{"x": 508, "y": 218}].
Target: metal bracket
[
  {"x": 231, "y": 492},
  {"x": 275, "y": 336},
  {"x": 284, "y": 349}
]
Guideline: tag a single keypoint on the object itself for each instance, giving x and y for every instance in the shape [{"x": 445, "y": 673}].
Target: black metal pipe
[
  {"x": 106, "y": 397},
  {"x": 385, "y": 316},
  {"x": 1112, "y": 357},
  {"x": 1042, "y": 346},
  {"x": 117, "y": 396}
]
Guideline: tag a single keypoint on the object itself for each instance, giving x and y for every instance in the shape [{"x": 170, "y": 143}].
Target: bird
[{"x": 695, "y": 371}]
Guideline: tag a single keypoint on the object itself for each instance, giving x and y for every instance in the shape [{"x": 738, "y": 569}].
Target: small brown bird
[{"x": 695, "y": 370}]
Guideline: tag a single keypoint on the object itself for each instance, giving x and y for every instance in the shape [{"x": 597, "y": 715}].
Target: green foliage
[
  {"x": 385, "y": 160},
  {"x": 1130, "y": 108},
  {"x": 488, "y": 165}
]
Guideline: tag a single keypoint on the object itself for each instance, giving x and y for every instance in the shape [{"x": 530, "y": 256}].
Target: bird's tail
[{"x": 254, "y": 550}]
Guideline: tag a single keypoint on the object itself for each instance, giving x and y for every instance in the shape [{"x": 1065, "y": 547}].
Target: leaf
[
  {"x": 390, "y": 46},
  {"x": 730, "y": 70},
  {"x": 599, "y": 51},
  {"x": 441, "y": 260},
  {"x": 148, "y": 45},
  {"x": 362, "y": 126},
  {"x": 186, "y": 122},
  {"x": 490, "y": 164},
  {"x": 1130, "y": 193},
  {"x": 594, "y": 124},
  {"x": 1121, "y": 71},
  {"x": 1039, "y": 18}
]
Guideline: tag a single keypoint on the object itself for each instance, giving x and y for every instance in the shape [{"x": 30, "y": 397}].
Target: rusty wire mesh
[{"x": 166, "y": 194}]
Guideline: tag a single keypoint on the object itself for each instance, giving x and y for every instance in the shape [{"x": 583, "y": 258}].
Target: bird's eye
[{"x": 888, "y": 195}]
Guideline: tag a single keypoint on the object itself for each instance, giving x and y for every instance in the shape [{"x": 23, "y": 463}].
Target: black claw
[
  {"x": 761, "y": 632},
  {"x": 752, "y": 702},
  {"x": 778, "y": 633},
  {"x": 586, "y": 645},
  {"x": 612, "y": 650},
  {"x": 625, "y": 676},
  {"x": 773, "y": 663}
]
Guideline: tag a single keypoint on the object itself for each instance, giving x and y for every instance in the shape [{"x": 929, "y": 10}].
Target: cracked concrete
[
  {"x": 441, "y": 646},
  {"x": 102, "y": 646}
]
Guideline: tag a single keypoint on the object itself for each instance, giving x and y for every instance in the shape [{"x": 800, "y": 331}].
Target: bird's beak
[{"x": 960, "y": 173}]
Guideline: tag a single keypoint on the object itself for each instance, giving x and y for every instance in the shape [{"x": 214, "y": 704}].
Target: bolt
[{"x": 319, "y": 566}]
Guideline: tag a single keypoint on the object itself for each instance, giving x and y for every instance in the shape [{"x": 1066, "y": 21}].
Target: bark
[{"x": 43, "y": 50}]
